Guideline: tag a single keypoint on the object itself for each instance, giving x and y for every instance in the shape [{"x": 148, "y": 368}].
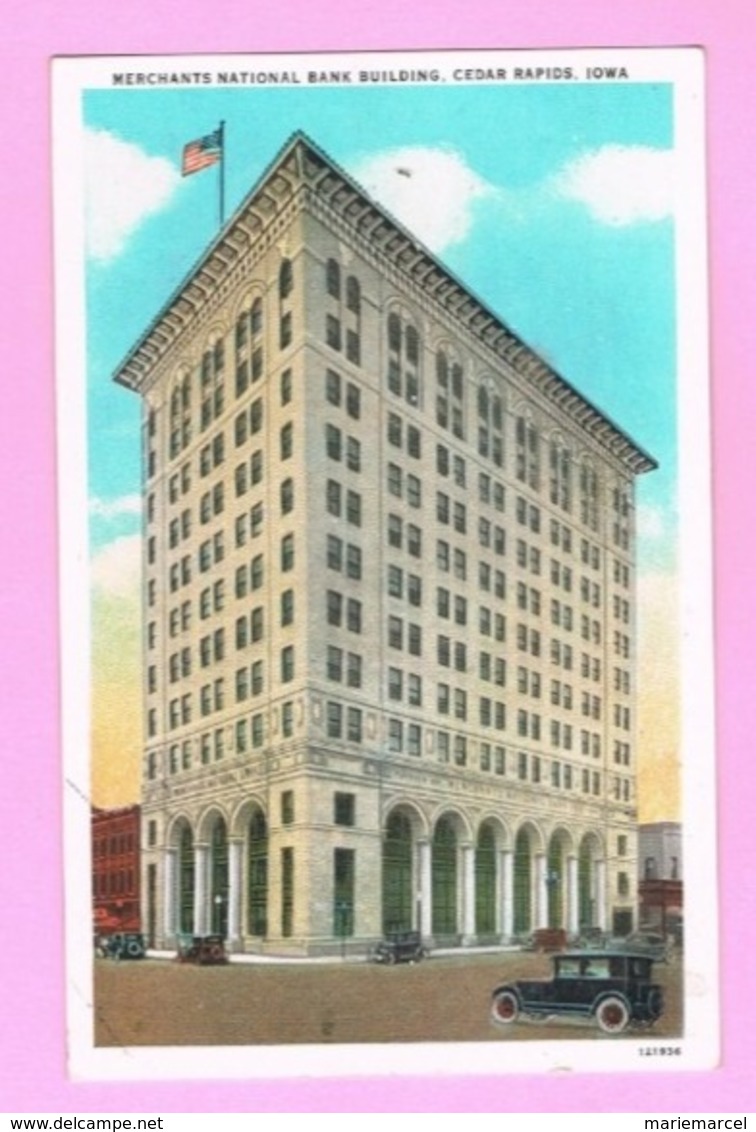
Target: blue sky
[{"x": 553, "y": 202}]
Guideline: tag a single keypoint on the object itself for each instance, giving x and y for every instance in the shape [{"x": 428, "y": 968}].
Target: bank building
[{"x": 389, "y": 599}]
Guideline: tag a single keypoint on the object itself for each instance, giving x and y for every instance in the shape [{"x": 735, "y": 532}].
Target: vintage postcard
[{"x": 385, "y": 558}]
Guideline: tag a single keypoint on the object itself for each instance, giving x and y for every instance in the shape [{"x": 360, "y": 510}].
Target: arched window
[
  {"x": 285, "y": 279},
  {"x": 256, "y": 317},
  {"x": 333, "y": 279},
  {"x": 394, "y": 327},
  {"x": 449, "y": 394},
  {"x": 353, "y": 294}
]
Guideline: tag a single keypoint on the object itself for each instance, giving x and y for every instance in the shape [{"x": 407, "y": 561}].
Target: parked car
[
  {"x": 203, "y": 949},
  {"x": 123, "y": 945},
  {"x": 613, "y": 986},
  {"x": 400, "y": 947}
]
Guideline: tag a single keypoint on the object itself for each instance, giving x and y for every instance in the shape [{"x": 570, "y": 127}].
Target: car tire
[
  {"x": 390, "y": 958},
  {"x": 612, "y": 1015},
  {"x": 134, "y": 949},
  {"x": 505, "y": 1007}
]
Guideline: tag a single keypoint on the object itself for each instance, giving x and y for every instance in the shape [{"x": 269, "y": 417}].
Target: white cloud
[
  {"x": 124, "y": 185},
  {"x": 430, "y": 190},
  {"x": 117, "y": 568},
  {"x": 620, "y": 185},
  {"x": 115, "y": 508}
]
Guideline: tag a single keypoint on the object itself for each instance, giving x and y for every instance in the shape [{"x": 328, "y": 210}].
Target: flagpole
[{"x": 222, "y": 170}]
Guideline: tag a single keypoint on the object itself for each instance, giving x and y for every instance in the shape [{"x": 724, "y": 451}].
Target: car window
[
  {"x": 596, "y": 968},
  {"x": 568, "y": 968}
]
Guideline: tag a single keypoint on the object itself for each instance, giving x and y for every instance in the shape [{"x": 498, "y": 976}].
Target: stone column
[
  {"x": 235, "y": 851},
  {"x": 600, "y": 881},
  {"x": 169, "y": 894},
  {"x": 201, "y": 854},
  {"x": 424, "y": 887},
  {"x": 468, "y": 893},
  {"x": 573, "y": 903}
]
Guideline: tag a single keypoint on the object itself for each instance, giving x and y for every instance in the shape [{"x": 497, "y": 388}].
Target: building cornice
[{"x": 302, "y": 168}]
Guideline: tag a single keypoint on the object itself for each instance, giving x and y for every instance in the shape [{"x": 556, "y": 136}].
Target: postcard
[{"x": 385, "y": 563}]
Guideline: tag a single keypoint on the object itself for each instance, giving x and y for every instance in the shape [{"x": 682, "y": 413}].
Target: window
[
  {"x": 334, "y": 719},
  {"x": 285, "y": 279},
  {"x": 287, "y": 607},
  {"x": 333, "y": 387},
  {"x": 333, "y": 279},
  {"x": 285, "y": 332},
  {"x": 287, "y": 553},
  {"x": 333, "y": 441},
  {"x": 287, "y": 807},
  {"x": 354, "y": 615},
  {"x": 287, "y": 441},
  {"x": 287, "y": 664},
  {"x": 287, "y": 496},
  {"x": 333, "y": 498},
  {"x": 354, "y": 508},
  {"x": 353, "y": 401},
  {"x": 333, "y": 332},
  {"x": 343, "y": 809},
  {"x": 334, "y": 602}
]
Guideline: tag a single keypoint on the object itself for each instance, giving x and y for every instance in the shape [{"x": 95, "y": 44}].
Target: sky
[{"x": 555, "y": 203}]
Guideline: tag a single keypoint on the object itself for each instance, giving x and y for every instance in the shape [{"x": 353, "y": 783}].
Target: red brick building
[{"x": 115, "y": 870}]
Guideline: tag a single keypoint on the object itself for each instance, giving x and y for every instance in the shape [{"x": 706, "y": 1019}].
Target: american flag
[{"x": 201, "y": 153}]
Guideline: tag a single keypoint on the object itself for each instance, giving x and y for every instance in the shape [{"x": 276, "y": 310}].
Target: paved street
[{"x": 154, "y": 1002}]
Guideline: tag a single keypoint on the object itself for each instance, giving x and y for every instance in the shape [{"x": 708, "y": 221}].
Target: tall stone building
[{"x": 388, "y": 596}]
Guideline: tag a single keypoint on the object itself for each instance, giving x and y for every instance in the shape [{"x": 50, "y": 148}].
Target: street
[{"x": 154, "y": 1002}]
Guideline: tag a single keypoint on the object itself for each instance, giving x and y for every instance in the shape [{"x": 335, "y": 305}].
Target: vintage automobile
[
  {"x": 206, "y": 950},
  {"x": 613, "y": 986},
  {"x": 400, "y": 947},
  {"x": 123, "y": 945}
]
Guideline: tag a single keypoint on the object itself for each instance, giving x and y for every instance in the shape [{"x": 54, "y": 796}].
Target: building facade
[
  {"x": 115, "y": 870},
  {"x": 660, "y": 885},
  {"x": 389, "y": 599}
]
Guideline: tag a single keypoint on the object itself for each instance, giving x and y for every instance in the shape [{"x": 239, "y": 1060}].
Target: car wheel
[
  {"x": 612, "y": 1015},
  {"x": 390, "y": 958},
  {"x": 505, "y": 1007},
  {"x": 655, "y": 1004},
  {"x": 135, "y": 950}
]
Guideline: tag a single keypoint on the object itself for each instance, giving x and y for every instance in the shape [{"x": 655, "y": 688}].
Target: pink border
[{"x": 33, "y": 1037}]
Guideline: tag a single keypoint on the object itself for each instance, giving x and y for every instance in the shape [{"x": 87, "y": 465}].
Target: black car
[
  {"x": 614, "y": 987},
  {"x": 207, "y": 950},
  {"x": 400, "y": 947},
  {"x": 124, "y": 945}
]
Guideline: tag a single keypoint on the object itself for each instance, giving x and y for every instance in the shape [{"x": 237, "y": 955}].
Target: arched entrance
[
  {"x": 485, "y": 881},
  {"x": 186, "y": 880},
  {"x": 397, "y": 873},
  {"x": 444, "y": 878},
  {"x": 556, "y": 880},
  {"x": 257, "y": 875},
  {"x": 219, "y": 878},
  {"x": 523, "y": 883}
]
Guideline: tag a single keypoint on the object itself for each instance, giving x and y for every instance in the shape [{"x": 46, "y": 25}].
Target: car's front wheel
[
  {"x": 612, "y": 1015},
  {"x": 505, "y": 1007}
]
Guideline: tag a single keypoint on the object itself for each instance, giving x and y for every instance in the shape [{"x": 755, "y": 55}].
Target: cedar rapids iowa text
[{"x": 357, "y": 78}]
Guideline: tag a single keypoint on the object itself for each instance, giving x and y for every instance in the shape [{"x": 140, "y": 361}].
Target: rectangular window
[
  {"x": 343, "y": 809},
  {"x": 334, "y": 720}
]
